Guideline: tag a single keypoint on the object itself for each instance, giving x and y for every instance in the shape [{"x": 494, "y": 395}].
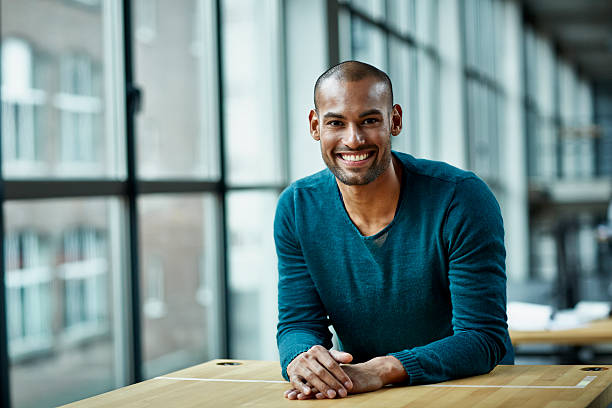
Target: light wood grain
[
  {"x": 595, "y": 333},
  {"x": 182, "y": 393}
]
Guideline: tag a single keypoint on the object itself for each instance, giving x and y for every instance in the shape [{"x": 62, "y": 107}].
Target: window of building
[
  {"x": 83, "y": 277},
  {"x": 21, "y": 108},
  {"x": 29, "y": 291},
  {"x": 80, "y": 109},
  {"x": 484, "y": 91}
]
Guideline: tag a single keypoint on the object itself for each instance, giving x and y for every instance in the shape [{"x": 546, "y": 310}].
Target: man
[{"x": 404, "y": 257}]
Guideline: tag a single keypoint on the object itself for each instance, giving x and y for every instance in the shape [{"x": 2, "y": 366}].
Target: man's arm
[
  {"x": 474, "y": 242},
  {"x": 303, "y": 336}
]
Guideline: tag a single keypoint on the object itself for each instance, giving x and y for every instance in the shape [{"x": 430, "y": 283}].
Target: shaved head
[{"x": 351, "y": 71}]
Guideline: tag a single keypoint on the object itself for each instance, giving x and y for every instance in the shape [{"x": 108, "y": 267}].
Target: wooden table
[
  {"x": 597, "y": 332},
  {"x": 259, "y": 384}
]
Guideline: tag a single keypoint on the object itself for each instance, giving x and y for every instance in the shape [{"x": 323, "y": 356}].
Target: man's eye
[
  {"x": 335, "y": 123},
  {"x": 370, "y": 121}
]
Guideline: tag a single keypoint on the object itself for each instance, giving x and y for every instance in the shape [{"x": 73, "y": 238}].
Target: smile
[{"x": 354, "y": 157}]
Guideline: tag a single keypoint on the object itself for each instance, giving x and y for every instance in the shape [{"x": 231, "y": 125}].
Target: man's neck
[{"x": 372, "y": 206}]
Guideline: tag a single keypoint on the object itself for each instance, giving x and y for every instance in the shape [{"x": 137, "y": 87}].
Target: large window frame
[{"x": 129, "y": 190}]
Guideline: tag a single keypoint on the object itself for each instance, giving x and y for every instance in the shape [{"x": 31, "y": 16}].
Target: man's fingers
[
  {"x": 301, "y": 396},
  {"x": 323, "y": 380},
  {"x": 341, "y": 356},
  {"x": 318, "y": 371},
  {"x": 298, "y": 382},
  {"x": 292, "y": 394},
  {"x": 330, "y": 362}
]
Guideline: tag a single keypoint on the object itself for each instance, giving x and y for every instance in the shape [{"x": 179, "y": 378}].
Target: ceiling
[{"x": 581, "y": 31}]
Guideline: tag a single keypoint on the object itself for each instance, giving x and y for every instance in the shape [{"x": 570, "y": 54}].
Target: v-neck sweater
[{"x": 428, "y": 289}]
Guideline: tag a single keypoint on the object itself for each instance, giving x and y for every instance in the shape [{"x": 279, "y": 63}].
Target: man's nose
[{"x": 353, "y": 137}]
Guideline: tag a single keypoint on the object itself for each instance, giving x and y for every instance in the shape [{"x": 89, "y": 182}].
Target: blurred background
[{"x": 145, "y": 143}]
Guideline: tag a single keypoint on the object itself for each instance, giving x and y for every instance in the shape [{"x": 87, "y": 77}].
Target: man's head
[
  {"x": 354, "y": 118},
  {"x": 351, "y": 71}
]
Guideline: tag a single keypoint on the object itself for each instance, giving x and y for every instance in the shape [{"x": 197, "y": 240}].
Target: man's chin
[{"x": 352, "y": 179}]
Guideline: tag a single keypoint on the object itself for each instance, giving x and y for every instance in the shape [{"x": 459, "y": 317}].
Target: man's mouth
[{"x": 354, "y": 157}]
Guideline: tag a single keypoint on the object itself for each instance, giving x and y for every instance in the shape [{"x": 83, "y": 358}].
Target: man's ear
[
  {"x": 396, "y": 120},
  {"x": 313, "y": 118}
]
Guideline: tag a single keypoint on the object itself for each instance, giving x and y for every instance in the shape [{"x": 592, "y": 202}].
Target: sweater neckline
[{"x": 345, "y": 215}]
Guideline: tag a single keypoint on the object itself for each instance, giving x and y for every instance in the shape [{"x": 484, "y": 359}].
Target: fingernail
[
  {"x": 348, "y": 385},
  {"x": 306, "y": 390},
  {"x": 342, "y": 392},
  {"x": 331, "y": 393}
]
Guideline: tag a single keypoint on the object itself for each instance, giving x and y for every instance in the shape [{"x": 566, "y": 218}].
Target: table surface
[
  {"x": 594, "y": 333},
  {"x": 259, "y": 384}
]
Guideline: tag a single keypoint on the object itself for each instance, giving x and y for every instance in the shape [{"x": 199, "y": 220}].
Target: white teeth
[{"x": 354, "y": 157}]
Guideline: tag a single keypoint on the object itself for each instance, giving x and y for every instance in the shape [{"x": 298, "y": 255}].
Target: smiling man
[{"x": 404, "y": 257}]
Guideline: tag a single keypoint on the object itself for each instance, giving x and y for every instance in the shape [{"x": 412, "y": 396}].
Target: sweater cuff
[
  {"x": 415, "y": 372},
  {"x": 296, "y": 352}
]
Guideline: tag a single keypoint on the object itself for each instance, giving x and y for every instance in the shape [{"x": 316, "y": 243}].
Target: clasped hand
[{"x": 317, "y": 373}]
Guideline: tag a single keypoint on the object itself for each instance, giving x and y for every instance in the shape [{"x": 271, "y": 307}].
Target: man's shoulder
[
  {"x": 316, "y": 181},
  {"x": 431, "y": 170},
  {"x": 317, "y": 184}
]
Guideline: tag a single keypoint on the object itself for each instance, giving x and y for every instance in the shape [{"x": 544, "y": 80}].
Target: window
[
  {"x": 64, "y": 265},
  {"x": 65, "y": 274},
  {"x": 29, "y": 285},
  {"x": 484, "y": 91},
  {"x": 21, "y": 109},
  {"x": 252, "y": 279},
  {"x": 253, "y": 85},
  {"x": 368, "y": 43},
  {"x": 146, "y": 20},
  {"x": 179, "y": 280},
  {"x": 83, "y": 274},
  {"x": 80, "y": 115},
  {"x": 254, "y": 122},
  {"x": 177, "y": 127}
]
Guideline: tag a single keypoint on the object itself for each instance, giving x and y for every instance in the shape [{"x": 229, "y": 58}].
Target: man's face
[{"x": 354, "y": 125}]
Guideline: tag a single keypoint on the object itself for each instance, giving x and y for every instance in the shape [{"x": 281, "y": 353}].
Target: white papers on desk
[
  {"x": 533, "y": 317},
  {"x": 528, "y": 316}
]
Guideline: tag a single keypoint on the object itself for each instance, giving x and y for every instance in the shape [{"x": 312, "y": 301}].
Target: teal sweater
[{"x": 429, "y": 289}]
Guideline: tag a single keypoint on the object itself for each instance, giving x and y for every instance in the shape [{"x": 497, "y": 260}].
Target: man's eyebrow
[
  {"x": 333, "y": 115},
  {"x": 370, "y": 112}
]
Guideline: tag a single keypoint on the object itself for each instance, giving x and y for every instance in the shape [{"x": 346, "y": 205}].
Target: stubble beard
[{"x": 349, "y": 178}]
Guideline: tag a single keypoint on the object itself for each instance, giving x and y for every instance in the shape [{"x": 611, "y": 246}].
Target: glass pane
[
  {"x": 63, "y": 265},
  {"x": 426, "y": 21},
  {"x": 427, "y": 105},
  {"x": 175, "y": 58},
  {"x": 400, "y": 72},
  {"x": 179, "y": 293},
  {"x": 253, "y": 275},
  {"x": 368, "y": 43},
  {"x": 61, "y": 96},
  {"x": 401, "y": 15},
  {"x": 252, "y": 91},
  {"x": 373, "y": 8}
]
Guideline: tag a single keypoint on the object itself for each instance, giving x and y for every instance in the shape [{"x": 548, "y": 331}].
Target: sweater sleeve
[
  {"x": 473, "y": 237},
  {"x": 302, "y": 319}
]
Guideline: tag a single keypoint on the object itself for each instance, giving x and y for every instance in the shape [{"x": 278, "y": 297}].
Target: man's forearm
[{"x": 389, "y": 369}]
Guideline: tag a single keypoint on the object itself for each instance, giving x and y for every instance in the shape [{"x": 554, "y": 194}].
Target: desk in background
[
  {"x": 573, "y": 346},
  {"x": 598, "y": 332},
  {"x": 259, "y": 384}
]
